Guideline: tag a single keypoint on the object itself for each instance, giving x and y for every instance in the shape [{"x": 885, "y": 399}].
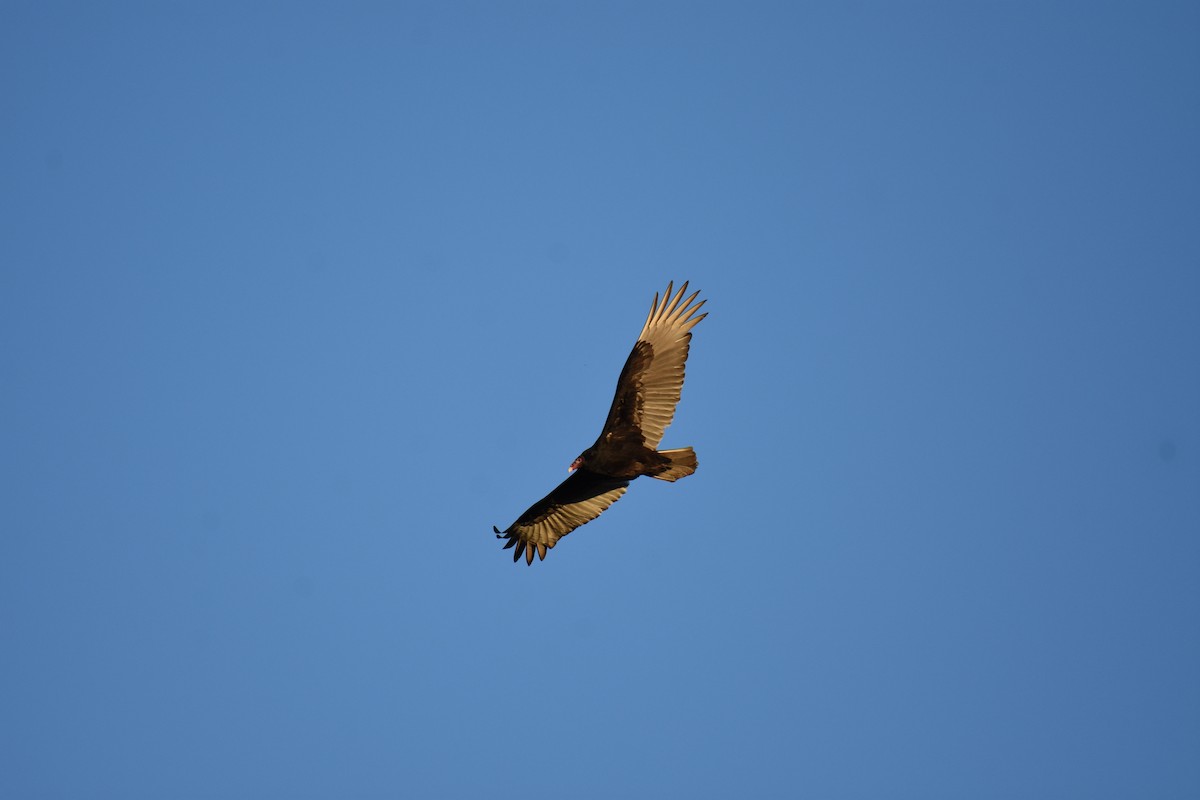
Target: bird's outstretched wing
[
  {"x": 577, "y": 500},
  {"x": 652, "y": 379}
]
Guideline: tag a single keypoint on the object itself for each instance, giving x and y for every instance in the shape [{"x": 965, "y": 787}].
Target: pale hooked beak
[{"x": 576, "y": 464}]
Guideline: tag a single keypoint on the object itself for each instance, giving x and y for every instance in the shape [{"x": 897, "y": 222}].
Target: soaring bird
[{"x": 644, "y": 405}]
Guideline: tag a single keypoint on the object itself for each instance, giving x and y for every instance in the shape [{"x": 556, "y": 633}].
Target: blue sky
[{"x": 297, "y": 301}]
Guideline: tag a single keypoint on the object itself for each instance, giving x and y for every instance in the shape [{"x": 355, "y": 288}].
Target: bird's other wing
[
  {"x": 652, "y": 379},
  {"x": 576, "y": 501}
]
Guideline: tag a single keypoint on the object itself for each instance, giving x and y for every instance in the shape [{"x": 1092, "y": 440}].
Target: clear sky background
[{"x": 297, "y": 301}]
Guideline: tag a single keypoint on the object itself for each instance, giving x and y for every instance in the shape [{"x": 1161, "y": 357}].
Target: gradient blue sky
[{"x": 296, "y": 301}]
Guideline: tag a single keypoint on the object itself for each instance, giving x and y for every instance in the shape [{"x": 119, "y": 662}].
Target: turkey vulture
[{"x": 644, "y": 405}]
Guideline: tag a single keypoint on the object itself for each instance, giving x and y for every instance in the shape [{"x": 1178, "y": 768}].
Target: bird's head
[{"x": 584, "y": 459}]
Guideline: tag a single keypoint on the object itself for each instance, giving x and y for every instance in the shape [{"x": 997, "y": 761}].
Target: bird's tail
[{"x": 683, "y": 463}]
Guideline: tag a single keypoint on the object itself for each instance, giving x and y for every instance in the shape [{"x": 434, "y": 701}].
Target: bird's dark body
[{"x": 623, "y": 458}]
